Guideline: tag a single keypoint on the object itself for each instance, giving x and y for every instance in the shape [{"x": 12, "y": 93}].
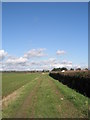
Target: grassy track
[{"x": 44, "y": 97}]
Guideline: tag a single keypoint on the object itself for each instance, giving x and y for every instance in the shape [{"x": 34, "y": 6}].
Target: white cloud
[
  {"x": 49, "y": 61},
  {"x": 65, "y": 62},
  {"x": 19, "y": 60},
  {"x": 53, "y": 63},
  {"x": 3, "y": 54},
  {"x": 35, "y": 53},
  {"x": 60, "y": 52},
  {"x": 76, "y": 66},
  {"x": 24, "y": 63}
]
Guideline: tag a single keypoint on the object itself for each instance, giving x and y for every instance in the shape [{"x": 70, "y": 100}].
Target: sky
[{"x": 44, "y": 35}]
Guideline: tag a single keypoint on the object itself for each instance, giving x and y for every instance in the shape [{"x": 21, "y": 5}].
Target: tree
[
  {"x": 78, "y": 69},
  {"x": 56, "y": 69},
  {"x": 86, "y": 68},
  {"x": 59, "y": 69},
  {"x": 64, "y": 68},
  {"x": 71, "y": 69}
]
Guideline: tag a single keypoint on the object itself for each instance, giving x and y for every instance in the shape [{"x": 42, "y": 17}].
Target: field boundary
[
  {"x": 9, "y": 98},
  {"x": 79, "y": 83}
]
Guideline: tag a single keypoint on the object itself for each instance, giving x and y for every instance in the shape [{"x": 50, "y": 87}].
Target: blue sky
[{"x": 51, "y": 27}]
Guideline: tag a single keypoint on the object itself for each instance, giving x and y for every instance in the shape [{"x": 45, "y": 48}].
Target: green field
[
  {"x": 13, "y": 81},
  {"x": 37, "y": 95}
]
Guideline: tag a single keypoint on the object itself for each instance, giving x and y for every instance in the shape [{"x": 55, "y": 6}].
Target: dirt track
[{"x": 44, "y": 100}]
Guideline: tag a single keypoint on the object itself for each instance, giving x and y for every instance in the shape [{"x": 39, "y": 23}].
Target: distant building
[{"x": 63, "y": 71}]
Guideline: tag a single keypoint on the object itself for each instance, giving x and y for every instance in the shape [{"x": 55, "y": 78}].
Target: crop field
[
  {"x": 37, "y": 95},
  {"x": 13, "y": 81}
]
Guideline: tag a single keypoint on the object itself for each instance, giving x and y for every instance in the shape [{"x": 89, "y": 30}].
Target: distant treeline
[
  {"x": 60, "y": 69},
  {"x": 54, "y": 69},
  {"x": 64, "y": 68},
  {"x": 33, "y": 71},
  {"x": 80, "y": 81}
]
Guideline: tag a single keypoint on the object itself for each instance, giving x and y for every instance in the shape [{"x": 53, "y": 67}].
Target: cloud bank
[
  {"x": 35, "y": 53},
  {"x": 33, "y": 59}
]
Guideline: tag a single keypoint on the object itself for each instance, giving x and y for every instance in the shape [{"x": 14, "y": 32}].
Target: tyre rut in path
[
  {"x": 31, "y": 100},
  {"x": 22, "y": 113},
  {"x": 65, "y": 109}
]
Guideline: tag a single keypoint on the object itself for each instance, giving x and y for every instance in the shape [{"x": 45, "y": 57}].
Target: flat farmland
[
  {"x": 37, "y": 95},
  {"x": 13, "y": 81}
]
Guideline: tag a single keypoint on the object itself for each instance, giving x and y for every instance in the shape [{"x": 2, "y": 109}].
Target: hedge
[{"x": 80, "y": 83}]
